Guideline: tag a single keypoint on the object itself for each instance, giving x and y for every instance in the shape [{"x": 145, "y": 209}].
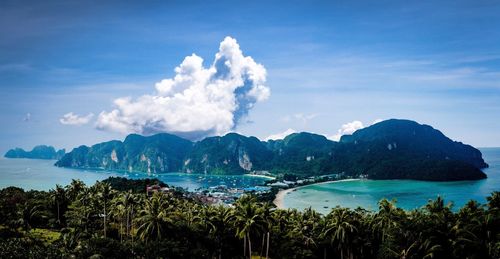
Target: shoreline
[
  {"x": 280, "y": 196},
  {"x": 262, "y": 176}
]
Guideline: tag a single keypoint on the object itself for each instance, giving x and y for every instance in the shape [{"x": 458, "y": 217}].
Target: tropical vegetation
[
  {"x": 391, "y": 149},
  {"x": 101, "y": 221}
]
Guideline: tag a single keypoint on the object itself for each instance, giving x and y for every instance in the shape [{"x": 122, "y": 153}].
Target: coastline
[
  {"x": 262, "y": 176},
  {"x": 280, "y": 196}
]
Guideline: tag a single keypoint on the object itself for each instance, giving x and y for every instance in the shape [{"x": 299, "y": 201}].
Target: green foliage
[
  {"x": 392, "y": 149},
  {"x": 136, "y": 186},
  {"x": 159, "y": 153},
  {"x": 46, "y": 235},
  {"x": 229, "y": 154},
  {"x": 100, "y": 221}
]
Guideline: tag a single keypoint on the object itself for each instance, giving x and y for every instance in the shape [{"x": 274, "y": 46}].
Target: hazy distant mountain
[
  {"x": 392, "y": 149},
  {"x": 38, "y": 152}
]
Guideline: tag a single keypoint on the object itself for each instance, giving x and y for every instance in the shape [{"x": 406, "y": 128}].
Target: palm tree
[
  {"x": 303, "y": 230},
  {"x": 281, "y": 224},
  {"x": 341, "y": 230},
  {"x": 118, "y": 211},
  {"x": 268, "y": 219},
  {"x": 494, "y": 200},
  {"x": 69, "y": 240},
  {"x": 153, "y": 218},
  {"x": 437, "y": 205},
  {"x": 58, "y": 196},
  {"x": 80, "y": 210},
  {"x": 442, "y": 220},
  {"x": 26, "y": 213},
  {"x": 124, "y": 204},
  {"x": 74, "y": 188},
  {"x": 475, "y": 231},
  {"x": 136, "y": 202},
  {"x": 190, "y": 213},
  {"x": 387, "y": 218},
  {"x": 406, "y": 252},
  {"x": 105, "y": 194},
  {"x": 218, "y": 219},
  {"x": 248, "y": 221}
]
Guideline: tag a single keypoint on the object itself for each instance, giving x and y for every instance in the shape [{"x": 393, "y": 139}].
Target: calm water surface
[
  {"x": 408, "y": 193},
  {"x": 43, "y": 175}
]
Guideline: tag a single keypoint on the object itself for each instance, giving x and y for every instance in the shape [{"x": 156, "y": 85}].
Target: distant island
[
  {"x": 38, "y": 152},
  {"x": 391, "y": 149}
]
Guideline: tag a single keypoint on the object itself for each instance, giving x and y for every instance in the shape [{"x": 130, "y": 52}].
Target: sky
[{"x": 83, "y": 72}]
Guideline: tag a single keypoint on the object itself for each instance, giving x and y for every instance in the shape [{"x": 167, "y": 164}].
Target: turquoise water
[
  {"x": 408, "y": 193},
  {"x": 43, "y": 175}
]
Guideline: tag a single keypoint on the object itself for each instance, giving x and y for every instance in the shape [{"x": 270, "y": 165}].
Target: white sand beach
[
  {"x": 280, "y": 196},
  {"x": 262, "y": 176}
]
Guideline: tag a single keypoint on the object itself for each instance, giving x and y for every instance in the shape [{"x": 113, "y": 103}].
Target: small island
[{"x": 38, "y": 152}]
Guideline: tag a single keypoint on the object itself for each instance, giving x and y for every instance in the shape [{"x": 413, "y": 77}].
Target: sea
[
  {"x": 38, "y": 174},
  {"x": 408, "y": 194}
]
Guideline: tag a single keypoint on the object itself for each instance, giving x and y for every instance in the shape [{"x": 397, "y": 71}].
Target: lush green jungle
[
  {"x": 117, "y": 219},
  {"x": 391, "y": 149}
]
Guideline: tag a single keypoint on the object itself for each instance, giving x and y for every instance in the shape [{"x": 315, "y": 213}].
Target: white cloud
[
  {"x": 302, "y": 117},
  {"x": 346, "y": 129},
  {"x": 74, "y": 119},
  {"x": 280, "y": 135},
  {"x": 197, "y": 101}
]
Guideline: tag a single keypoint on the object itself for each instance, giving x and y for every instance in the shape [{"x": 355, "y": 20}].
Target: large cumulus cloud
[{"x": 197, "y": 101}]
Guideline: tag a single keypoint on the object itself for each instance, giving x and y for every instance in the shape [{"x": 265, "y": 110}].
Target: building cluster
[
  {"x": 156, "y": 188},
  {"x": 221, "y": 194}
]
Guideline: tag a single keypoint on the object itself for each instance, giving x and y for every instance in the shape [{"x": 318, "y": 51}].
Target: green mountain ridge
[
  {"x": 154, "y": 154},
  {"x": 38, "y": 152},
  {"x": 232, "y": 153},
  {"x": 392, "y": 149}
]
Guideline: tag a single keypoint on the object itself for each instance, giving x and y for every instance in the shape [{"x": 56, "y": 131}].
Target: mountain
[
  {"x": 154, "y": 154},
  {"x": 38, "y": 152},
  {"x": 302, "y": 153},
  {"x": 231, "y": 153},
  {"x": 392, "y": 149},
  {"x": 404, "y": 149}
]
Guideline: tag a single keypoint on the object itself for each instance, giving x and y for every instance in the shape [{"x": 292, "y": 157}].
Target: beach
[
  {"x": 262, "y": 176},
  {"x": 280, "y": 196}
]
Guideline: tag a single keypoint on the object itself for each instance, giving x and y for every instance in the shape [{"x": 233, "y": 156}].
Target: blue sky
[{"x": 328, "y": 63}]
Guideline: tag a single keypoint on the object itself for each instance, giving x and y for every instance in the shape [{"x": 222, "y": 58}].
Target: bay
[
  {"x": 42, "y": 175},
  {"x": 409, "y": 194},
  {"x": 39, "y": 174}
]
